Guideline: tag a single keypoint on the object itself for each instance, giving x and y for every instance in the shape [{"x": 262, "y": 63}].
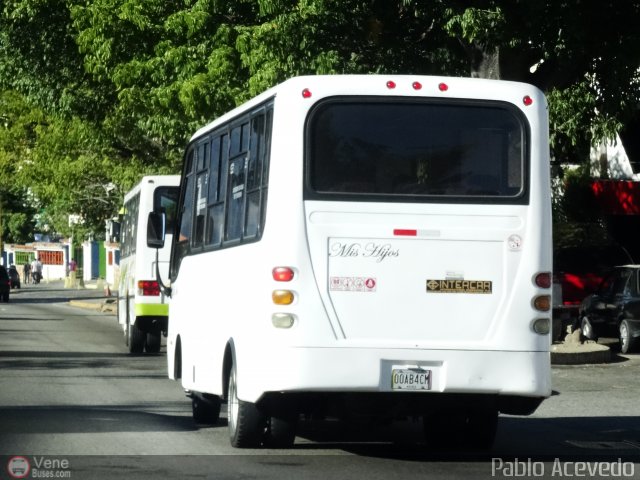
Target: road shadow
[
  {"x": 605, "y": 439},
  {"x": 51, "y": 419},
  {"x": 95, "y": 363},
  {"x": 52, "y": 296}
]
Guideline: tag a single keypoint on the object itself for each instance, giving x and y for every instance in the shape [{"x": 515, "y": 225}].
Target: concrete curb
[
  {"x": 580, "y": 354},
  {"x": 106, "y": 306},
  {"x": 87, "y": 305}
]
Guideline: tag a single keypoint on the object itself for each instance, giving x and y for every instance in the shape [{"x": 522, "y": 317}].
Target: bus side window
[
  {"x": 201, "y": 194},
  {"x": 235, "y": 199},
  {"x": 236, "y": 189},
  {"x": 254, "y": 177},
  {"x": 215, "y": 211},
  {"x": 186, "y": 216}
]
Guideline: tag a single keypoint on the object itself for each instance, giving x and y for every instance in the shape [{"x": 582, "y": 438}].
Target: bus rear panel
[{"x": 390, "y": 249}]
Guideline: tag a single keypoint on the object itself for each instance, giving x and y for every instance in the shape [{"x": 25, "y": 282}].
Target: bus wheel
[
  {"x": 206, "y": 410},
  {"x": 246, "y": 422},
  {"x": 153, "y": 342},
  {"x": 137, "y": 339},
  {"x": 281, "y": 431},
  {"x": 482, "y": 426}
]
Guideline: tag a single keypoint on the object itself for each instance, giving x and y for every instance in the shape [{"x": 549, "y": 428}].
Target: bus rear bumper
[{"x": 518, "y": 381}]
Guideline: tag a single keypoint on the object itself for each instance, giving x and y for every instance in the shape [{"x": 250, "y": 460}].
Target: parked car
[
  {"x": 577, "y": 273},
  {"x": 615, "y": 308},
  {"x": 5, "y": 284},
  {"x": 14, "y": 276}
]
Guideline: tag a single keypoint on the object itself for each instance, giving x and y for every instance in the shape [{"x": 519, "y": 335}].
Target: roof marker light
[
  {"x": 416, "y": 85},
  {"x": 527, "y": 100},
  {"x": 443, "y": 87},
  {"x": 306, "y": 93},
  {"x": 391, "y": 84}
]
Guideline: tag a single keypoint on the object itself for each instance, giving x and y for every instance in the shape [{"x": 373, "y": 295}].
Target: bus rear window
[{"x": 416, "y": 150}]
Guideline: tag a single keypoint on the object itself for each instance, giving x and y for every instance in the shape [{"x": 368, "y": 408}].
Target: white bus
[
  {"x": 365, "y": 245},
  {"x": 142, "y": 308}
]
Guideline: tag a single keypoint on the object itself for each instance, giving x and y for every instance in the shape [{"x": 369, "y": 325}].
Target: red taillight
[
  {"x": 527, "y": 100},
  {"x": 282, "y": 274},
  {"x": 391, "y": 84},
  {"x": 543, "y": 280},
  {"x": 148, "y": 288}
]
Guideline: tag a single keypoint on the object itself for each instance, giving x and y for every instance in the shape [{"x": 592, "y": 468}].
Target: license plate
[{"x": 410, "y": 379}]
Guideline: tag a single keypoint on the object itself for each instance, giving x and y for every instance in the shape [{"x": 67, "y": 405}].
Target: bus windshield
[{"x": 417, "y": 150}]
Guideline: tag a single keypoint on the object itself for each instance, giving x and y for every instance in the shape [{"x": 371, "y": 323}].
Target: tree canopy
[{"x": 112, "y": 89}]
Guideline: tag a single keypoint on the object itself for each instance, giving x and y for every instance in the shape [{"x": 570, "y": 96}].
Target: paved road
[{"x": 68, "y": 391}]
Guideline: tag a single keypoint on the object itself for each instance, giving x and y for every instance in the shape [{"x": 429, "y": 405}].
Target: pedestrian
[
  {"x": 26, "y": 273},
  {"x": 73, "y": 266},
  {"x": 36, "y": 270}
]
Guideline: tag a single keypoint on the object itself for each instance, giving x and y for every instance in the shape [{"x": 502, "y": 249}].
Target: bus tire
[
  {"x": 205, "y": 410},
  {"x": 281, "y": 432},
  {"x": 137, "y": 339},
  {"x": 153, "y": 342},
  {"x": 482, "y": 426},
  {"x": 472, "y": 429},
  {"x": 246, "y": 422}
]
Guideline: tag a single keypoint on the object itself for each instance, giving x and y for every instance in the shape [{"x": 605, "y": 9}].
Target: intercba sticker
[{"x": 459, "y": 286}]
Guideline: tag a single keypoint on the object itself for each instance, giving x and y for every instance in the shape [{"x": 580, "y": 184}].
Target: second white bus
[
  {"x": 142, "y": 308},
  {"x": 375, "y": 245}
]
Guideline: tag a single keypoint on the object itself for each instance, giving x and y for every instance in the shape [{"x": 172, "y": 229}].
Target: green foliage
[
  {"x": 17, "y": 137},
  {"x": 112, "y": 89},
  {"x": 576, "y": 213}
]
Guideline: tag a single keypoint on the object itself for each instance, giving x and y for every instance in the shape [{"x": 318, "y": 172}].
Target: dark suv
[
  {"x": 5, "y": 284},
  {"x": 577, "y": 273},
  {"x": 615, "y": 308}
]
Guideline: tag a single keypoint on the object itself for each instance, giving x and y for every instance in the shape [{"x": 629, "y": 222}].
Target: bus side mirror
[{"x": 156, "y": 230}]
